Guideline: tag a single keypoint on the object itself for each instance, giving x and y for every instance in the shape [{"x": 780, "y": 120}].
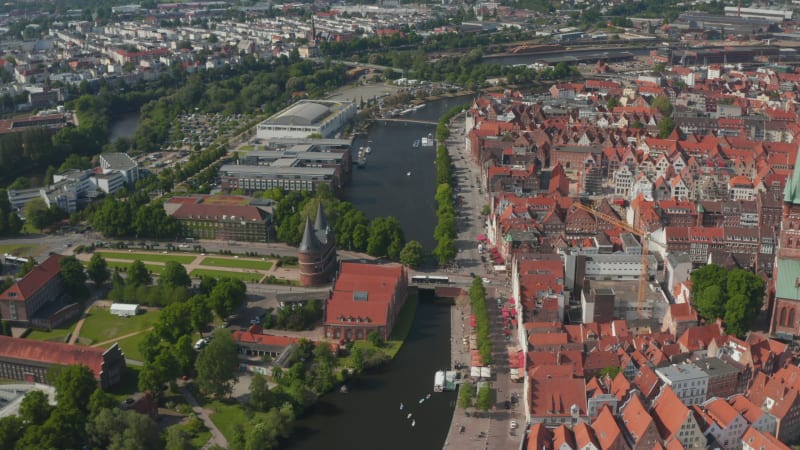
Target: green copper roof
[
  {"x": 791, "y": 193},
  {"x": 788, "y": 276}
]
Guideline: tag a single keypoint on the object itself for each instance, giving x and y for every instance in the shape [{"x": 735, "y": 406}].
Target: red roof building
[
  {"x": 28, "y": 360},
  {"x": 41, "y": 286},
  {"x": 365, "y": 298}
]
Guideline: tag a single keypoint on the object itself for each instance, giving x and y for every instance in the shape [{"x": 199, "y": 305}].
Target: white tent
[{"x": 124, "y": 309}]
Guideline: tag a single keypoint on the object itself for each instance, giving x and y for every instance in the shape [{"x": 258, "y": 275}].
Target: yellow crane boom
[{"x": 643, "y": 235}]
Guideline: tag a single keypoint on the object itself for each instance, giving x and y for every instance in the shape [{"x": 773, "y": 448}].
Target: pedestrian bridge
[{"x": 399, "y": 120}]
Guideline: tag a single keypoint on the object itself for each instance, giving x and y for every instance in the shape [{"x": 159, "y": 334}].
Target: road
[{"x": 493, "y": 429}]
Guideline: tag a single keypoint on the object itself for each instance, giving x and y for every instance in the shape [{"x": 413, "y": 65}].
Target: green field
[
  {"x": 145, "y": 257},
  {"x": 130, "y": 346},
  {"x": 101, "y": 325},
  {"x": 54, "y": 335},
  {"x": 19, "y": 249},
  {"x": 227, "y": 415},
  {"x": 155, "y": 268},
  {"x": 244, "y": 276},
  {"x": 236, "y": 263}
]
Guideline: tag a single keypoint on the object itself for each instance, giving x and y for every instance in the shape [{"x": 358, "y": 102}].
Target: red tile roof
[
  {"x": 378, "y": 281},
  {"x": 554, "y": 396},
  {"x": 669, "y": 412},
  {"x": 52, "y": 353},
  {"x": 263, "y": 339},
  {"x": 33, "y": 280},
  {"x": 636, "y": 419},
  {"x": 758, "y": 440},
  {"x": 218, "y": 212},
  {"x": 606, "y": 429},
  {"x": 722, "y": 412}
]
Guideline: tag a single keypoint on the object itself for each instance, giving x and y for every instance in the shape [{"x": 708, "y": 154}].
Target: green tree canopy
[
  {"x": 734, "y": 295},
  {"x": 484, "y": 399},
  {"x": 216, "y": 365},
  {"x": 174, "y": 274},
  {"x": 35, "y": 408},
  {"x": 227, "y": 296},
  {"x": 466, "y": 393},
  {"x": 412, "y": 255},
  {"x": 74, "y": 386},
  {"x": 72, "y": 275},
  {"x": 138, "y": 275},
  {"x": 97, "y": 269}
]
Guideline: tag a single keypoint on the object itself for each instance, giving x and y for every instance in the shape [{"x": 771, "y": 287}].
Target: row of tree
[
  {"x": 446, "y": 230},
  {"x": 467, "y": 397},
  {"x": 477, "y": 297}
]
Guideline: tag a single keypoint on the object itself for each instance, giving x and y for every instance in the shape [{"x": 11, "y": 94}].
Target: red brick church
[{"x": 786, "y": 277}]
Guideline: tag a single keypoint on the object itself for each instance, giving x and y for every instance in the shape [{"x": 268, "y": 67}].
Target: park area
[
  {"x": 147, "y": 257},
  {"x": 101, "y": 326}
]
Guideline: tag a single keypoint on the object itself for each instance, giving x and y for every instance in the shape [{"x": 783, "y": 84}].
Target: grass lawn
[
  {"x": 236, "y": 263},
  {"x": 227, "y": 415},
  {"x": 123, "y": 265},
  {"x": 19, "y": 249},
  {"x": 145, "y": 257},
  {"x": 244, "y": 276},
  {"x": 54, "y": 335},
  {"x": 128, "y": 385},
  {"x": 130, "y": 346},
  {"x": 101, "y": 325}
]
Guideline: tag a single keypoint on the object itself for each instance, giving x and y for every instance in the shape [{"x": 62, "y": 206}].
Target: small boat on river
[{"x": 401, "y": 406}]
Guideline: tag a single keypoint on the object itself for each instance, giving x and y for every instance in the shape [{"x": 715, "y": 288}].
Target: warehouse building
[{"x": 307, "y": 117}]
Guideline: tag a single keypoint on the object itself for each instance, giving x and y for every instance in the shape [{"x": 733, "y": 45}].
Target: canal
[
  {"x": 369, "y": 417},
  {"x": 400, "y": 180}
]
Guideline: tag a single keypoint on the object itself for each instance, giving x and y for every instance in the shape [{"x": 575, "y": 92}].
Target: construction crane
[{"x": 643, "y": 236}]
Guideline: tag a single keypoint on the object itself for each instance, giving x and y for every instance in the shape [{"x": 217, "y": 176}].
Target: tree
[
  {"x": 35, "y": 408},
  {"x": 175, "y": 321},
  {"x": 174, "y": 274},
  {"x": 72, "y": 275},
  {"x": 412, "y": 254},
  {"x": 74, "y": 386},
  {"x": 200, "y": 312},
  {"x": 375, "y": 339},
  {"x": 710, "y": 302},
  {"x": 445, "y": 251},
  {"x": 227, "y": 296},
  {"x": 99, "y": 401},
  {"x": 736, "y": 295},
  {"x": 665, "y": 127},
  {"x": 263, "y": 434},
  {"x": 357, "y": 360},
  {"x": 11, "y": 430},
  {"x": 138, "y": 275},
  {"x": 484, "y": 400},
  {"x": 178, "y": 439},
  {"x": 261, "y": 398},
  {"x": 216, "y": 365},
  {"x": 38, "y": 213},
  {"x": 154, "y": 374},
  {"x": 97, "y": 269},
  {"x": 663, "y": 104},
  {"x": 114, "y": 428},
  {"x": 184, "y": 354},
  {"x": 466, "y": 393}
]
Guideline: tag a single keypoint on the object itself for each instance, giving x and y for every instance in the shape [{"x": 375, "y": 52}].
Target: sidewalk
[{"x": 216, "y": 436}]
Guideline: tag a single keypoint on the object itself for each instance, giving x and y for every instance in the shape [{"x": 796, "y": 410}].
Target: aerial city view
[{"x": 527, "y": 224}]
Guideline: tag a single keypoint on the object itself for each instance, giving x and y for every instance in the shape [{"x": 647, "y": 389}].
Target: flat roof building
[
  {"x": 260, "y": 178},
  {"x": 306, "y": 117}
]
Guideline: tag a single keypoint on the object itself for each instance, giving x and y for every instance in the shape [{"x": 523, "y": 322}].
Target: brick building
[
  {"x": 37, "y": 289},
  {"x": 28, "y": 360},
  {"x": 365, "y": 298},
  {"x": 317, "y": 251}
]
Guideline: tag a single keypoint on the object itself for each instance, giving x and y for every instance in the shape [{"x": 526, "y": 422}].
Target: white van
[{"x": 200, "y": 344}]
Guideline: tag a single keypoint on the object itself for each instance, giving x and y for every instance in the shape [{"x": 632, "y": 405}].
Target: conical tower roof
[
  {"x": 321, "y": 222},
  {"x": 310, "y": 243},
  {"x": 791, "y": 193}
]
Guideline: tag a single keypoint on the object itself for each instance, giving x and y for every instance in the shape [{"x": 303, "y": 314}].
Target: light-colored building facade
[
  {"x": 688, "y": 381},
  {"x": 308, "y": 117}
]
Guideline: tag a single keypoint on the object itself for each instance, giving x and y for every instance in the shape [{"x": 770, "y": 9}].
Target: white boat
[
  {"x": 409, "y": 416},
  {"x": 438, "y": 382},
  {"x": 413, "y": 423},
  {"x": 422, "y": 399},
  {"x": 428, "y": 397},
  {"x": 401, "y": 406},
  {"x": 368, "y": 150},
  {"x": 408, "y": 174}
]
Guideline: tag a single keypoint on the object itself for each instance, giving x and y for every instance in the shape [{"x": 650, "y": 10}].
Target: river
[
  {"x": 369, "y": 417},
  {"x": 400, "y": 180},
  {"x": 123, "y": 125}
]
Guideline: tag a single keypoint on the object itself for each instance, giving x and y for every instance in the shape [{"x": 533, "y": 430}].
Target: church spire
[
  {"x": 791, "y": 194},
  {"x": 321, "y": 222}
]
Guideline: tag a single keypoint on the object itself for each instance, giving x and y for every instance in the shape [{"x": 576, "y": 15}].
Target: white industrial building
[{"x": 308, "y": 117}]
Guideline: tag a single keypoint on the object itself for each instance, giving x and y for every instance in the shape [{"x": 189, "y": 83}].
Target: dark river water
[
  {"x": 369, "y": 417},
  {"x": 400, "y": 180}
]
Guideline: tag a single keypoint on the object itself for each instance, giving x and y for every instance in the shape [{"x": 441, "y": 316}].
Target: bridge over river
[{"x": 398, "y": 120}]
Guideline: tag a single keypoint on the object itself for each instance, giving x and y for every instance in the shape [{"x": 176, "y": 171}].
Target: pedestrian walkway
[
  {"x": 217, "y": 438},
  {"x": 119, "y": 338}
]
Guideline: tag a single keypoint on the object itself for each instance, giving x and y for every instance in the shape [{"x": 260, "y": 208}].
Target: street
[{"x": 492, "y": 430}]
